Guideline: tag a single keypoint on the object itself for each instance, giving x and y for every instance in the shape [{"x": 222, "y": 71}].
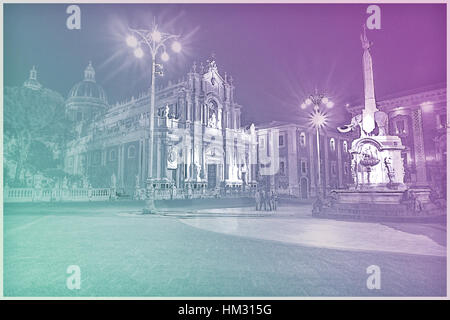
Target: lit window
[{"x": 400, "y": 127}]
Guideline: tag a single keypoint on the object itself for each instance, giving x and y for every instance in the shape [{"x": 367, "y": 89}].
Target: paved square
[{"x": 124, "y": 254}]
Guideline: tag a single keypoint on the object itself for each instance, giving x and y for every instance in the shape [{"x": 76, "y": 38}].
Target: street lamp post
[
  {"x": 154, "y": 40},
  {"x": 318, "y": 119}
]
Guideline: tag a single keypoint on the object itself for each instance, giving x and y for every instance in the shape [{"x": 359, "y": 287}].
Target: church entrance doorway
[{"x": 212, "y": 175}]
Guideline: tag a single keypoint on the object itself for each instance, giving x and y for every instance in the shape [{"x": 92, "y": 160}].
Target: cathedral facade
[{"x": 198, "y": 142}]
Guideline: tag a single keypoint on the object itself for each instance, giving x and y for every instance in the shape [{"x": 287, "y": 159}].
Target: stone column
[
  {"x": 140, "y": 161},
  {"x": 326, "y": 145},
  {"x": 339, "y": 161},
  {"x": 312, "y": 162},
  {"x": 291, "y": 144},
  {"x": 419, "y": 148}
]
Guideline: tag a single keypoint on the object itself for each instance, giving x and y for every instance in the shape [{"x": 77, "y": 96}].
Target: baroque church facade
[{"x": 198, "y": 141}]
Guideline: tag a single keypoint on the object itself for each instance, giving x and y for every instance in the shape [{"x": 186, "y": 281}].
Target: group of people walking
[{"x": 266, "y": 200}]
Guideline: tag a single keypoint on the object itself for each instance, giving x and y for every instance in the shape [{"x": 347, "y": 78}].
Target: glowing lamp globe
[
  {"x": 132, "y": 41},
  {"x": 308, "y": 101},
  {"x": 330, "y": 104},
  {"x": 165, "y": 56},
  {"x": 156, "y": 36},
  {"x": 303, "y": 106},
  {"x": 325, "y": 100},
  {"x": 139, "y": 53},
  {"x": 176, "y": 46}
]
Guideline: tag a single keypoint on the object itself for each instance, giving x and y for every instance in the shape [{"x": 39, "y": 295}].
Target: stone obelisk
[{"x": 370, "y": 107}]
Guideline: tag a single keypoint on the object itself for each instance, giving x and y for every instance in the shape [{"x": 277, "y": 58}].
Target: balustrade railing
[{"x": 102, "y": 194}]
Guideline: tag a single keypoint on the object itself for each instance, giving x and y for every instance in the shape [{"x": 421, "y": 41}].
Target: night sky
[{"x": 277, "y": 54}]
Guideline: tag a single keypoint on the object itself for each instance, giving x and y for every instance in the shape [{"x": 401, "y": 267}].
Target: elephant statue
[{"x": 380, "y": 118}]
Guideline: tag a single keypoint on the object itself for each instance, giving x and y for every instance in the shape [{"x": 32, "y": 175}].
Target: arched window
[
  {"x": 112, "y": 155},
  {"x": 131, "y": 151},
  {"x": 332, "y": 144},
  {"x": 302, "y": 138}
]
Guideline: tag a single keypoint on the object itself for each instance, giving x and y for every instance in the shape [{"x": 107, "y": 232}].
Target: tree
[{"x": 33, "y": 117}]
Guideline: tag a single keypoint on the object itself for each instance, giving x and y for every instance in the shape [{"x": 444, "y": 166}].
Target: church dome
[
  {"x": 88, "y": 89},
  {"x": 32, "y": 82}
]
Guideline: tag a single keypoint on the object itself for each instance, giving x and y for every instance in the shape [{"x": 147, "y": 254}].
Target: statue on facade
[
  {"x": 137, "y": 181},
  {"x": 113, "y": 181},
  {"x": 65, "y": 183},
  {"x": 219, "y": 119},
  {"x": 212, "y": 121},
  {"x": 85, "y": 182},
  {"x": 165, "y": 112},
  {"x": 142, "y": 120}
]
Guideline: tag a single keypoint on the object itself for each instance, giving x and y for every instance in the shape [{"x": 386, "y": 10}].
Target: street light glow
[
  {"x": 330, "y": 104},
  {"x": 164, "y": 56},
  {"x": 139, "y": 53},
  {"x": 308, "y": 101},
  {"x": 156, "y": 36},
  {"x": 176, "y": 46},
  {"x": 132, "y": 41},
  {"x": 303, "y": 106},
  {"x": 325, "y": 100},
  {"x": 318, "y": 119}
]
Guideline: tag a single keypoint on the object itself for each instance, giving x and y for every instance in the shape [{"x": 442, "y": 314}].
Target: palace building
[
  {"x": 198, "y": 140},
  {"x": 297, "y": 171}
]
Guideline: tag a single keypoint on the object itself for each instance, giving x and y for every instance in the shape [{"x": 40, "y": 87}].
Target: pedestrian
[
  {"x": 257, "y": 200},
  {"x": 274, "y": 201},
  {"x": 263, "y": 200}
]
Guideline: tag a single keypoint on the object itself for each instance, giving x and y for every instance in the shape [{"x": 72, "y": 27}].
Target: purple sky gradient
[{"x": 277, "y": 54}]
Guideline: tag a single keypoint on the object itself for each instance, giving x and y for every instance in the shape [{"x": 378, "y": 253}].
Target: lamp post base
[{"x": 150, "y": 207}]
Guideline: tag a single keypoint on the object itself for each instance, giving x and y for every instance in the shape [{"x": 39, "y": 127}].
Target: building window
[
  {"x": 303, "y": 166},
  {"x": 112, "y": 155},
  {"x": 302, "y": 139},
  {"x": 332, "y": 144},
  {"x": 262, "y": 142},
  {"x": 333, "y": 168},
  {"x": 400, "y": 127},
  {"x": 131, "y": 151},
  {"x": 345, "y": 146},
  {"x": 97, "y": 158},
  {"x": 282, "y": 169},
  {"x": 70, "y": 162},
  {"x": 346, "y": 168},
  {"x": 281, "y": 140},
  {"x": 441, "y": 121},
  {"x": 79, "y": 116}
]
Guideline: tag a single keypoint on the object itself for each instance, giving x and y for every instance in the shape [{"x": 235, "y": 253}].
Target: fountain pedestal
[{"x": 378, "y": 192}]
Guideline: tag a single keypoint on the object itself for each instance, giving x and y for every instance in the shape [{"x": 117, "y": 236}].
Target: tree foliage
[{"x": 35, "y": 128}]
